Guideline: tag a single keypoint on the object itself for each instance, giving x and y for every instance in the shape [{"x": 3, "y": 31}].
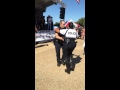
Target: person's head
[
  {"x": 70, "y": 25},
  {"x": 62, "y": 24}
]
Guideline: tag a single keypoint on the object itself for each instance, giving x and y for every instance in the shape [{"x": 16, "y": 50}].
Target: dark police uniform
[
  {"x": 59, "y": 44},
  {"x": 69, "y": 45}
]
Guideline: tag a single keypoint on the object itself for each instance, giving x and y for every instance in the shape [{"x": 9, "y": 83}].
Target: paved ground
[{"x": 50, "y": 77}]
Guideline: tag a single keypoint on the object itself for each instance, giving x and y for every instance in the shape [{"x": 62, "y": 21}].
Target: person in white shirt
[
  {"x": 69, "y": 44},
  {"x": 83, "y": 38}
]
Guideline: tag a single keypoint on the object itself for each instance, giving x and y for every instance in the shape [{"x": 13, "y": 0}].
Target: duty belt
[{"x": 69, "y": 41}]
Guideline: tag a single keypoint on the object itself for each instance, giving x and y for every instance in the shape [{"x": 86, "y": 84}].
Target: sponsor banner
[{"x": 44, "y": 35}]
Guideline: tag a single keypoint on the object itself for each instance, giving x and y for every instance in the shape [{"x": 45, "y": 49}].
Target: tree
[
  {"x": 81, "y": 21},
  {"x": 57, "y": 24}
]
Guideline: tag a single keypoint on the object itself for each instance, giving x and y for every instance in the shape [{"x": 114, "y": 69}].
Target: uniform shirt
[
  {"x": 59, "y": 34},
  {"x": 71, "y": 33}
]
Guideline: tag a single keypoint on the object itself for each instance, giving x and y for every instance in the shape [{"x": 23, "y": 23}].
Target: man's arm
[{"x": 60, "y": 31}]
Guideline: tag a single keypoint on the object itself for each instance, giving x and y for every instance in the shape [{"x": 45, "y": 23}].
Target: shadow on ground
[
  {"x": 75, "y": 60},
  {"x": 41, "y": 45}
]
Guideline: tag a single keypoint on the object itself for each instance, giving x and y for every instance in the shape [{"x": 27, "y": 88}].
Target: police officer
[
  {"x": 69, "y": 44},
  {"x": 58, "y": 42}
]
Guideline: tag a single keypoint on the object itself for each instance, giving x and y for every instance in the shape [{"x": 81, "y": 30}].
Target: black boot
[
  {"x": 58, "y": 64},
  {"x": 67, "y": 71},
  {"x": 68, "y": 68}
]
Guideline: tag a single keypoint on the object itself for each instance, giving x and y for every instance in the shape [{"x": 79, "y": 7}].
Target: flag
[
  {"x": 67, "y": 23},
  {"x": 76, "y": 25},
  {"x": 78, "y": 1}
]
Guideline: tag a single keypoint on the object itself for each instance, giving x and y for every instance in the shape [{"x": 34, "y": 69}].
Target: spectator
[{"x": 83, "y": 37}]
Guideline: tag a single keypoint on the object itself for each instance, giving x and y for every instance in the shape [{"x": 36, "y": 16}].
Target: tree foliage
[
  {"x": 57, "y": 24},
  {"x": 81, "y": 21}
]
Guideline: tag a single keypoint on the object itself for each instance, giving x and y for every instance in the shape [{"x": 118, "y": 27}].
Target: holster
[{"x": 68, "y": 41}]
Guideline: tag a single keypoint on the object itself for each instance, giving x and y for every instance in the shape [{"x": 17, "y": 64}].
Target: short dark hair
[{"x": 71, "y": 25}]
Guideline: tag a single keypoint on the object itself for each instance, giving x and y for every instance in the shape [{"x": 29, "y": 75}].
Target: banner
[{"x": 44, "y": 35}]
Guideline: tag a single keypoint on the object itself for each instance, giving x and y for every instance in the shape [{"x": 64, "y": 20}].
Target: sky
[{"x": 73, "y": 10}]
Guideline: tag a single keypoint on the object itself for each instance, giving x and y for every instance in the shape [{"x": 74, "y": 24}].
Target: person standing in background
[{"x": 83, "y": 38}]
